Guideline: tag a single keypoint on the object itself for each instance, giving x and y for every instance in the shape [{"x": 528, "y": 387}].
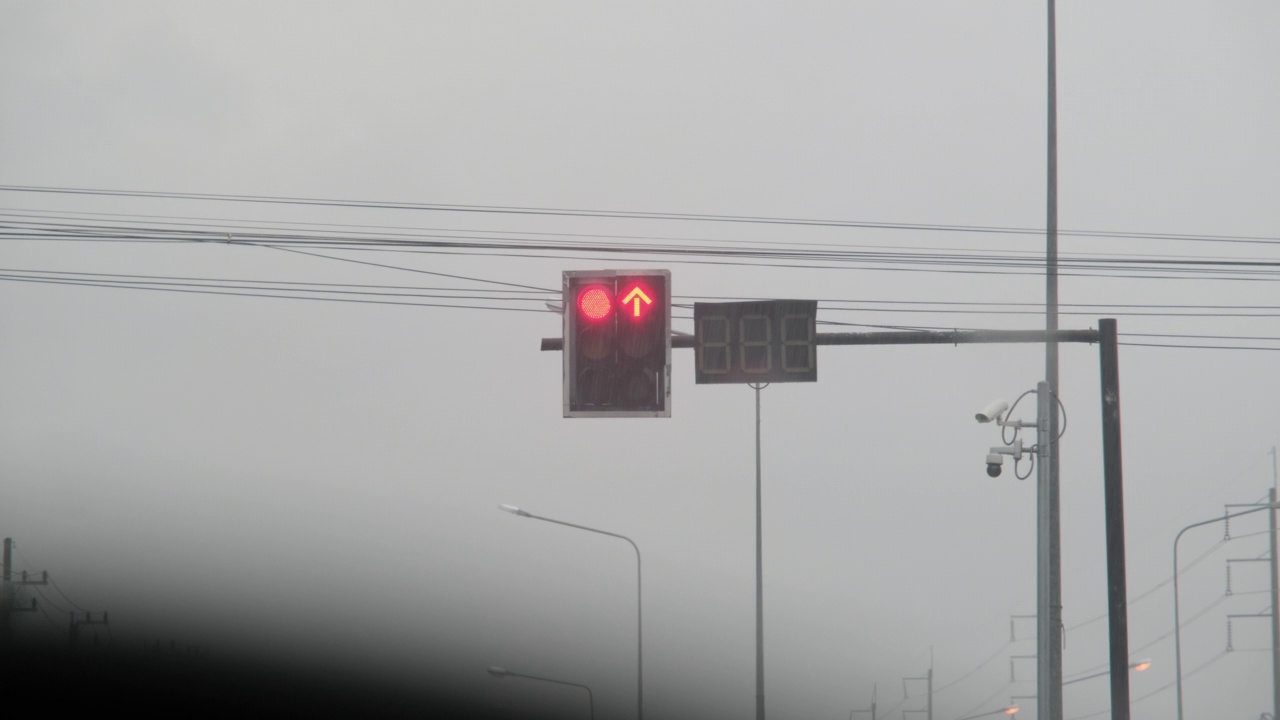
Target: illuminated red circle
[{"x": 595, "y": 303}]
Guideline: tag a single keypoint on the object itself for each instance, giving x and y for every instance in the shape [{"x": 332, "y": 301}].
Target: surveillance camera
[
  {"x": 994, "y": 463},
  {"x": 992, "y": 411}
]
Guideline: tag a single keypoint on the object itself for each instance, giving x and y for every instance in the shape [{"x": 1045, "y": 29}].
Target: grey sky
[{"x": 325, "y": 476}]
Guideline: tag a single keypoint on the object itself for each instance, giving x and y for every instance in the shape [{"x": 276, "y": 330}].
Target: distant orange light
[
  {"x": 1012, "y": 711},
  {"x": 1142, "y": 666},
  {"x": 595, "y": 302}
]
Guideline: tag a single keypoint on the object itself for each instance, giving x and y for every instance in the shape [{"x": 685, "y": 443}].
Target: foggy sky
[{"x": 271, "y": 476}]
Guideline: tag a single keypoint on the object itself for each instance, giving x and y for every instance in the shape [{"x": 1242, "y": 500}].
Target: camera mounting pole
[{"x": 1048, "y": 570}]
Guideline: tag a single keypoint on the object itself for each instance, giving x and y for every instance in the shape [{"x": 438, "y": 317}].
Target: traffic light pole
[
  {"x": 1113, "y": 483},
  {"x": 759, "y": 569}
]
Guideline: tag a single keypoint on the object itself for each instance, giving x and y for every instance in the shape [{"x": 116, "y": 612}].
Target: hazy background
[{"x": 282, "y": 477}]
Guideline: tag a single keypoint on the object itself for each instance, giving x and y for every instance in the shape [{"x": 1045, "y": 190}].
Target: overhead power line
[
  {"x": 496, "y": 299},
  {"x": 617, "y": 214},
  {"x": 777, "y": 256}
]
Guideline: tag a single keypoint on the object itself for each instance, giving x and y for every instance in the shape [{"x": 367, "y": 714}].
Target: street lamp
[
  {"x": 1011, "y": 710},
  {"x": 639, "y": 618},
  {"x": 1138, "y": 666},
  {"x": 501, "y": 672},
  {"x": 1177, "y": 624}
]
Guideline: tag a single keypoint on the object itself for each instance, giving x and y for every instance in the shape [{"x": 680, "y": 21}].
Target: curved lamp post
[
  {"x": 1134, "y": 666},
  {"x": 1011, "y": 710},
  {"x": 1177, "y": 623},
  {"x": 501, "y": 672},
  {"x": 639, "y": 618}
]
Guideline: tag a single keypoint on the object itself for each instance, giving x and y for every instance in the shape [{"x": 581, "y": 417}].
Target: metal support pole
[
  {"x": 930, "y": 680},
  {"x": 1113, "y": 482},
  {"x": 1275, "y": 604},
  {"x": 1050, "y": 690},
  {"x": 1046, "y": 629},
  {"x": 759, "y": 572}
]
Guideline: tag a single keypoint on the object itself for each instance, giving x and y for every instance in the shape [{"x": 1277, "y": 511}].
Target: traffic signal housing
[{"x": 617, "y": 343}]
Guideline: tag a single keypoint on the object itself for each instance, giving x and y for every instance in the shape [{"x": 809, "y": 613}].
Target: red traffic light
[{"x": 595, "y": 302}]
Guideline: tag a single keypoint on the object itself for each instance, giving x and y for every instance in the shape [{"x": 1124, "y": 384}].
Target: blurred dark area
[{"x": 185, "y": 682}]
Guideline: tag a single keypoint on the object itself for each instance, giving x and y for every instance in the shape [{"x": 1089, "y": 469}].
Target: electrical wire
[
  {"x": 281, "y": 297},
  {"x": 989, "y": 698},
  {"x": 1150, "y": 591},
  {"x": 416, "y": 270},
  {"x": 291, "y": 293},
  {"x": 969, "y": 674},
  {"x": 613, "y": 214},
  {"x": 1110, "y": 267},
  {"x": 549, "y": 293},
  {"x": 64, "y": 595},
  {"x": 55, "y": 605},
  {"x": 682, "y": 242},
  {"x": 1162, "y": 688},
  {"x": 48, "y": 617},
  {"x": 1007, "y": 414}
]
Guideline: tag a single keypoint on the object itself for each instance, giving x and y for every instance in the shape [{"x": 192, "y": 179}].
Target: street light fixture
[
  {"x": 1177, "y": 623},
  {"x": 1011, "y": 710},
  {"x": 501, "y": 672},
  {"x": 639, "y": 617},
  {"x": 1138, "y": 666}
]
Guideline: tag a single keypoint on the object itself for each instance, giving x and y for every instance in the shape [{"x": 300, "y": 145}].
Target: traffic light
[{"x": 617, "y": 343}]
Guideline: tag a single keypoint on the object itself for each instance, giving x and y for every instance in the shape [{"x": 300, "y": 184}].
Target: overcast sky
[{"x": 293, "y": 475}]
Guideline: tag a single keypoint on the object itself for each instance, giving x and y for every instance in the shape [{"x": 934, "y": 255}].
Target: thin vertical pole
[
  {"x": 1045, "y": 629},
  {"x": 759, "y": 575},
  {"x": 1275, "y": 604},
  {"x": 6, "y": 599},
  {"x": 1113, "y": 488},
  {"x": 930, "y": 676},
  {"x": 1052, "y": 686}
]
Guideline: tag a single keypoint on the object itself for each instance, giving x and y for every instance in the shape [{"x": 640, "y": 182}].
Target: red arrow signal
[{"x": 636, "y": 295}]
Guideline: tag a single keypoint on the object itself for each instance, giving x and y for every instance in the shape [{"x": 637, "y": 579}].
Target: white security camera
[
  {"x": 991, "y": 412},
  {"x": 995, "y": 457},
  {"x": 994, "y": 463}
]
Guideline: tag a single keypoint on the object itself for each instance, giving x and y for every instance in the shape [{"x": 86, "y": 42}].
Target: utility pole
[
  {"x": 6, "y": 597},
  {"x": 930, "y": 677},
  {"x": 76, "y": 624},
  {"x": 871, "y": 710}
]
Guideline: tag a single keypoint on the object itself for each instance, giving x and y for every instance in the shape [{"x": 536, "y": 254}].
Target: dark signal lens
[{"x": 595, "y": 303}]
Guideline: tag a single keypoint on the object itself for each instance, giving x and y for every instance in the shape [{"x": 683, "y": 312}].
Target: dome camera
[{"x": 994, "y": 463}]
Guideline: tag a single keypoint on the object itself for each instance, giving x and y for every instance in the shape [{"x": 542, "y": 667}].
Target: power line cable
[
  {"x": 613, "y": 214},
  {"x": 265, "y": 295},
  {"x": 969, "y": 674}
]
